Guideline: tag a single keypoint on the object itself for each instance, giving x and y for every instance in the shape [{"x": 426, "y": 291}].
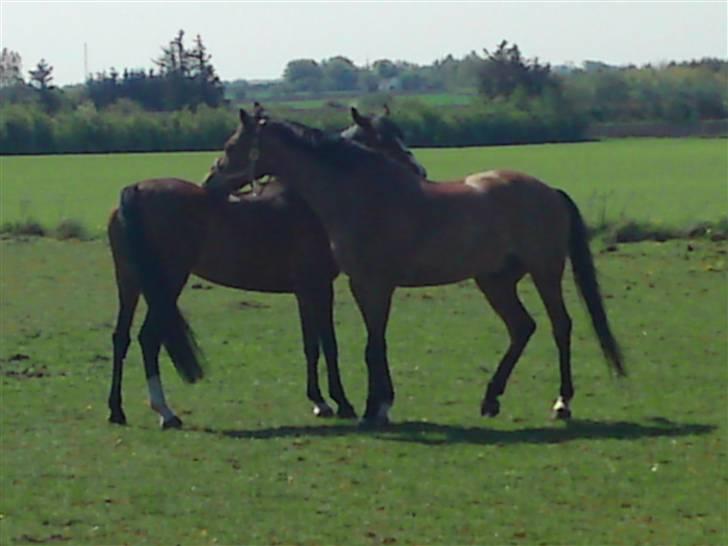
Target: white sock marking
[
  {"x": 561, "y": 404},
  {"x": 156, "y": 398}
]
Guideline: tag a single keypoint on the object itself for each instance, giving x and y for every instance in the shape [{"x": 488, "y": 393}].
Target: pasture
[
  {"x": 642, "y": 462},
  {"x": 674, "y": 182}
]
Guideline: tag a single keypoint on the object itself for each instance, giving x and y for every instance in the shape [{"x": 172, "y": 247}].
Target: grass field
[
  {"x": 643, "y": 462},
  {"x": 665, "y": 181}
]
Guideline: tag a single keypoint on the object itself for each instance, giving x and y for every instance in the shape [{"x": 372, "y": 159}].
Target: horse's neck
[
  {"x": 314, "y": 183},
  {"x": 343, "y": 198}
]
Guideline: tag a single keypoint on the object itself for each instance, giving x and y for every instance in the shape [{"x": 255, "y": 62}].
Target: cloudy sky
[{"x": 255, "y": 40}]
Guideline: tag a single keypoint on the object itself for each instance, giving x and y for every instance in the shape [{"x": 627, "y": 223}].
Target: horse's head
[
  {"x": 240, "y": 163},
  {"x": 381, "y": 133}
]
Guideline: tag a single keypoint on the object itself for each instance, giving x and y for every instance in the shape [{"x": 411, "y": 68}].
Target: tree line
[
  {"x": 182, "y": 104},
  {"x": 675, "y": 92},
  {"x": 184, "y": 78}
]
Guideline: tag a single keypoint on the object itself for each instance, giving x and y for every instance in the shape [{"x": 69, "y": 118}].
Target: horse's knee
[
  {"x": 311, "y": 352},
  {"x": 148, "y": 336},
  {"x": 121, "y": 342},
  {"x": 375, "y": 351},
  {"x": 562, "y": 326}
]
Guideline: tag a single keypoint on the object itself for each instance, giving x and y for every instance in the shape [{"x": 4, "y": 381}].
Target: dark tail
[
  {"x": 177, "y": 336},
  {"x": 586, "y": 279}
]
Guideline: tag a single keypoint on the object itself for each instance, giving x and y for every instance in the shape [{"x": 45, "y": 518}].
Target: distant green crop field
[
  {"x": 431, "y": 99},
  {"x": 667, "y": 181},
  {"x": 444, "y": 99}
]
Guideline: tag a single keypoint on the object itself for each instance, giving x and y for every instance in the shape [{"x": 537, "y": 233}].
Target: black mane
[{"x": 333, "y": 150}]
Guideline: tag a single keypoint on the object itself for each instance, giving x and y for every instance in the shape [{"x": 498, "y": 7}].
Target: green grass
[
  {"x": 84, "y": 187},
  {"x": 644, "y": 461},
  {"x": 667, "y": 182},
  {"x": 664, "y": 181}
]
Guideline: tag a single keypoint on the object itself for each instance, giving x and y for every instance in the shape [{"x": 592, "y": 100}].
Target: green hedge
[{"x": 26, "y": 129}]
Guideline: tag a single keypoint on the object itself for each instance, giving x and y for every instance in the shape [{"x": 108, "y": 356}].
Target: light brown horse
[
  {"x": 166, "y": 229},
  {"x": 389, "y": 227}
]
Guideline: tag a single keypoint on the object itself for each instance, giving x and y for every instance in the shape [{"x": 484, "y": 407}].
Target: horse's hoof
[
  {"x": 561, "y": 410},
  {"x": 117, "y": 418},
  {"x": 346, "y": 412},
  {"x": 172, "y": 422},
  {"x": 490, "y": 408},
  {"x": 323, "y": 410}
]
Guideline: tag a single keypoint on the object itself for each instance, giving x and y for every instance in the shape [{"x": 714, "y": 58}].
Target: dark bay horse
[
  {"x": 166, "y": 229},
  {"x": 389, "y": 227}
]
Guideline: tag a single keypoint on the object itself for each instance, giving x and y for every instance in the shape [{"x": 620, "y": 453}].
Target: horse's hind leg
[
  {"x": 310, "y": 331},
  {"x": 128, "y": 293},
  {"x": 327, "y": 334},
  {"x": 150, "y": 339},
  {"x": 500, "y": 290},
  {"x": 549, "y": 288}
]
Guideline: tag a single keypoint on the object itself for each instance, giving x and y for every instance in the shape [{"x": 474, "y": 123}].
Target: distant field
[
  {"x": 668, "y": 181},
  {"x": 431, "y": 99}
]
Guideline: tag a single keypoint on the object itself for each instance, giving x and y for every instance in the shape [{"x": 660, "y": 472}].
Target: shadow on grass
[{"x": 439, "y": 434}]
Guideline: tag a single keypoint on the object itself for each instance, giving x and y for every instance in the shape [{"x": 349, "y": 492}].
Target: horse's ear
[
  {"x": 361, "y": 121},
  {"x": 244, "y": 118},
  {"x": 258, "y": 110}
]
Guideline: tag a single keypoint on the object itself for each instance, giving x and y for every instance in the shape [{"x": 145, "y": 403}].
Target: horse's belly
[
  {"x": 247, "y": 265},
  {"x": 432, "y": 278},
  {"x": 450, "y": 263},
  {"x": 252, "y": 276},
  {"x": 444, "y": 272}
]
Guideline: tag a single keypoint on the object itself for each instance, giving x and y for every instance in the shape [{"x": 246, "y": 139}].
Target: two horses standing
[{"x": 369, "y": 211}]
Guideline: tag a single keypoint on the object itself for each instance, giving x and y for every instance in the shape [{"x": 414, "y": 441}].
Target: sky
[{"x": 255, "y": 40}]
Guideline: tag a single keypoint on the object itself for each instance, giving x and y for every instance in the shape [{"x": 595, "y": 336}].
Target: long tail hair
[
  {"x": 586, "y": 279},
  {"x": 177, "y": 336}
]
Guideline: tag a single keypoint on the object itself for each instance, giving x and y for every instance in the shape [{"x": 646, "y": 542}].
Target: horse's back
[
  {"x": 505, "y": 213},
  {"x": 534, "y": 214}
]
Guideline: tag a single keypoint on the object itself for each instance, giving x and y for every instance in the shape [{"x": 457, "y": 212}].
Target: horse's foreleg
[
  {"x": 150, "y": 338},
  {"x": 500, "y": 290},
  {"x": 549, "y": 288},
  {"x": 374, "y": 302},
  {"x": 327, "y": 334},
  {"x": 310, "y": 332}
]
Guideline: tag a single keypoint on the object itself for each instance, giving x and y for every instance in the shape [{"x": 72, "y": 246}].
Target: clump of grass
[
  {"x": 71, "y": 229},
  {"x": 719, "y": 230},
  {"x": 66, "y": 230},
  {"x": 27, "y": 227},
  {"x": 634, "y": 232},
  {"x": 701, "y": 229}
]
